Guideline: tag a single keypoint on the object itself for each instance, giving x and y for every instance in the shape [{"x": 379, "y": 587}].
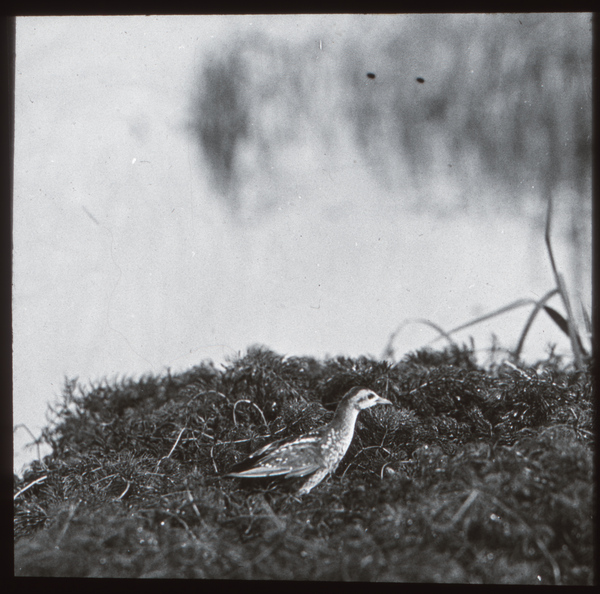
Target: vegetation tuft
[{"x": 475, "y": 475}]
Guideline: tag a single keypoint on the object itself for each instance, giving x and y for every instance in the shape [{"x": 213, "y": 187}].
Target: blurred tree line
[{"x": 495, "y": 100}]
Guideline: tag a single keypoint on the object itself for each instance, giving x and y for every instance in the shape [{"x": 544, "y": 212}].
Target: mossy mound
[{"x": 476, "y": 475}]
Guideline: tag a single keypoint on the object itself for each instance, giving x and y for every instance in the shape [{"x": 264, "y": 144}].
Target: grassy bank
[{"x": 475, "y": 475}]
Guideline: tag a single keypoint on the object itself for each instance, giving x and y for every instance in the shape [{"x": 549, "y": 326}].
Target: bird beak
[{"x": 381, "y": 400}]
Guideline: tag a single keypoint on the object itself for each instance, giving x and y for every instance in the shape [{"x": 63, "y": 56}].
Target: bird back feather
[{"x": 293, "y": 457}]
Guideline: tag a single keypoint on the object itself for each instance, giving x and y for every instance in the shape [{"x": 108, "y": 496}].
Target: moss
[{"x": 475, "y": 475}]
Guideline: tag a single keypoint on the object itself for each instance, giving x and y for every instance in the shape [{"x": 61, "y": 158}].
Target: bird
[{"x": 316, "y": 453}]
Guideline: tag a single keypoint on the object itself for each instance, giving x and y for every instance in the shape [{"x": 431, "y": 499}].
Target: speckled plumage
[{"x": 317, "y": 453}]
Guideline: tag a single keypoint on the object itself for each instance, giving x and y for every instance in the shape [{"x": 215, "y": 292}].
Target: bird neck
[{"x": 345, "y": 418}]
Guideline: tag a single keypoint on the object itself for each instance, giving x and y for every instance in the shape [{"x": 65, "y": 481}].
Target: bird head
[{"x": 361, "y": 398}]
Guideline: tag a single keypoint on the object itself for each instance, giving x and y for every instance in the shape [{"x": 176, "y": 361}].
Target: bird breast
[{"x": 336, "y": 445}]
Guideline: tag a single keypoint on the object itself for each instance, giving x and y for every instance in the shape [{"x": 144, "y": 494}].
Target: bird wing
[{"x": 293, "y": 457}]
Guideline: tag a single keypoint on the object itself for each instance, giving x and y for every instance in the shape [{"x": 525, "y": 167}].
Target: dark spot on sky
[
  {"x": 420, "y": 80},
  {"x": 370, "y": 75}
]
